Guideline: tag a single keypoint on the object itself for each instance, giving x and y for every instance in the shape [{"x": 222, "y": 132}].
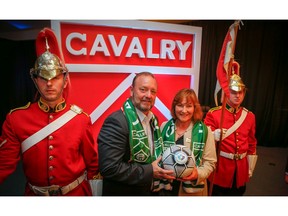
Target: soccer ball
[{"x": 180, "y": 159}]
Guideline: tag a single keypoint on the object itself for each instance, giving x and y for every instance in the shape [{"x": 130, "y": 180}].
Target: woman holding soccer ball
[{"x": 186, "y": 128}]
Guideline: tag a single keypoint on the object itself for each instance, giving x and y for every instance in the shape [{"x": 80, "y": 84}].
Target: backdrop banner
[{"x": 104, "y": 56}]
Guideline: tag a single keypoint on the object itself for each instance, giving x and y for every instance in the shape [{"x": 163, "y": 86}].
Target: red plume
[
  {"x": 235, "y": 68},
  {"x": 47, "y": 40}
]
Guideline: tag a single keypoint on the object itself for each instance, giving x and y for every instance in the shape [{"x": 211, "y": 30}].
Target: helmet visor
[
  {"x": 49, "y": 74},
  {"x": 48, "y": 66}
]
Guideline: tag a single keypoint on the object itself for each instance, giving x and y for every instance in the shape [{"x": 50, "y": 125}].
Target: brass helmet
[
  {"x": 48, "y": 66},
  {"x": 236, "y": 83},
  {"x": 49, "y": 63}
]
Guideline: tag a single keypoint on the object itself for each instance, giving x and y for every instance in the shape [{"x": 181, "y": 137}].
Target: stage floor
[{"x": 268, "y": 177}]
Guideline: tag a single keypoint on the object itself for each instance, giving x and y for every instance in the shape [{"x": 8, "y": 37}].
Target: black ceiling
[
  {"x": 21, "y": 29},
  {"x": 28, "y": 29},
  {"x": 20, "y": 25}
]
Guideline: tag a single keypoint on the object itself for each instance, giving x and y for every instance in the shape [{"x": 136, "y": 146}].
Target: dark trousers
[{"x": 222, "y": 191}]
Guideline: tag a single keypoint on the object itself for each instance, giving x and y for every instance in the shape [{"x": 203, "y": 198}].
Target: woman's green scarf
[{"x": 198, "y": 139}]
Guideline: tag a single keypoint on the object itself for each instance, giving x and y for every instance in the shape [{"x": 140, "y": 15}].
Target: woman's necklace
[{"x": 180, "y": 132}]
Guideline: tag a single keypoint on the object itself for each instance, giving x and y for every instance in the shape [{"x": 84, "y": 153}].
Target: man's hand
[{"x": 160, "y": 173}]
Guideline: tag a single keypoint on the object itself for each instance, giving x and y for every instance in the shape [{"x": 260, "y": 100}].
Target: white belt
[
  {"x": 233, "y": 156},
  {"x": 55, "y": 190}
]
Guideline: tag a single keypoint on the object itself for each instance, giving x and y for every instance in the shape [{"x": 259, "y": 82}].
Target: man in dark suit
[{"x": 130, "y": 144}]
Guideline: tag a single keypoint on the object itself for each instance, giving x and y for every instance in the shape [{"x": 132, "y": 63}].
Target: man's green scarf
[
  {"x": 198, "y": 139},
  {"x": 140, "y": 150}
]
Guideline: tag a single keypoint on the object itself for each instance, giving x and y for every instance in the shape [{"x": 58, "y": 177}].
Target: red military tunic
[
  {"x": 240, "y": 141},
  {"x": 58, "y": 159}
]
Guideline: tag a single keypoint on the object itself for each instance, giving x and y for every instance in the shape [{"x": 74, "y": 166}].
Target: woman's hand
[{"x": 191, "y": 177}]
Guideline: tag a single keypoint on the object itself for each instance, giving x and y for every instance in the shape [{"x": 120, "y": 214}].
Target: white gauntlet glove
[
  {"x": 96, "y": 185},
  {"x": 217, "y": 134},
  {"x": 252, "y": 159}
]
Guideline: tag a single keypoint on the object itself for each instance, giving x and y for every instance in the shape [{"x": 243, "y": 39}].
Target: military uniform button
[
  {"x": 51, "y": 157},
  {"x": 51, "y": 177},
  {"x": 51, "y": 117},
  {"x": 51, "y": 147},
  {"x": 51, "y": 167},
  {"x": 50, "y": 137}
]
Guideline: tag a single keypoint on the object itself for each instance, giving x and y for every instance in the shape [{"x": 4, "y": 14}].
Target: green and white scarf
[
  {"x": 140, "y": 150},
  {"x": 198, "y": 139}
]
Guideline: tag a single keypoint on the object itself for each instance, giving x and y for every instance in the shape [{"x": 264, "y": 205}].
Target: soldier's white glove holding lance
[{"x": 217, "y": 133}]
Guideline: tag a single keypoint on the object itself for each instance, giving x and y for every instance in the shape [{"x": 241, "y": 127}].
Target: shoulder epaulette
[
  {"x": 78, "y": 110},
  {"x": 215, "y": 108},
  {"x": 20, "y": 108},
  {"x": 246, "y": 109}
]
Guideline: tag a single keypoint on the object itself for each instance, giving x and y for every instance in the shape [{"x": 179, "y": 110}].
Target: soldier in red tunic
[
  {"x": 53, "y": 138},
  {"x": 237, "y": 153}
]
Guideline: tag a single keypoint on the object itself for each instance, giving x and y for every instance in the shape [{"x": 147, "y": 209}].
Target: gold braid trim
[{"x": 20, "y": 108}]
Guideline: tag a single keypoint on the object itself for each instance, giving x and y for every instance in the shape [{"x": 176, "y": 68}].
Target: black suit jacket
[{"x": 121, "y": 177}]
